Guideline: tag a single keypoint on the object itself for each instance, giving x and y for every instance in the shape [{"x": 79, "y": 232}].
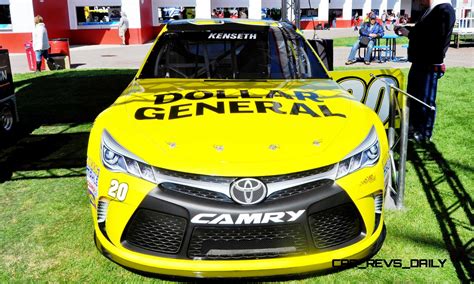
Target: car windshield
[{"x": 279, "y": 53}]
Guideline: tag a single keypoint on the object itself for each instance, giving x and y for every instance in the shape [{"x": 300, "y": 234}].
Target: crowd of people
[
  {"x": 232, "y": 13},
  {"x": 388, "y": 20}
]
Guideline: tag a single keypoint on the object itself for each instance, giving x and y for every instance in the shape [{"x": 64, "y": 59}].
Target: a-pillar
[
  {"x": 255, "y": 9},
  {"x": 203, "y": 9}
]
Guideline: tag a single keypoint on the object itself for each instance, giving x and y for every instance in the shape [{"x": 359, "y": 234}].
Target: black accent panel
[
  {"x": 335, "y": 226},
  {"x": 222, "y": 241},
  {"x": 194, "y": 191},
  {"x": 247, "y": 242},
  {"x": 287, "y": 192},
  {"x": 221, "y": 25},
  {"x": 156, "y": 231}
]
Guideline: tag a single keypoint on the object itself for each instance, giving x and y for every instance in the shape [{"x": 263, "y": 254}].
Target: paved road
[{"x": 131, "y": 56}]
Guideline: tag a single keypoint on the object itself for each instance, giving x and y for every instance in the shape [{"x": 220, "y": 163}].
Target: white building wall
[
  {"x": 22, "y": 15},
  {"x": 405, "y": 5},
  {"x": 255, "y": 10},
  {"x": 397, "y": 6},
  {"x": 366, "y": 7},
  {"x": 347, "y": 10},
  {"x": 336, "y": 4},
  {"x": 323, "y": 10},
  {"x": 358, "y": 4},
  {"x": 272, "y": 4},
  {"x": 203, "y": 9},
  {"x": 132, "y": 9},
  {"x": 230, "y": 3}
]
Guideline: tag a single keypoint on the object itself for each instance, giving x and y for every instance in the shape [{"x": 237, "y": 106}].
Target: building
[{"x": 95, "y": 21}]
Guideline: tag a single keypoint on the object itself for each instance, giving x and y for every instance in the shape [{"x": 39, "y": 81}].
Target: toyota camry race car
[{"x": 233, "y": 153}]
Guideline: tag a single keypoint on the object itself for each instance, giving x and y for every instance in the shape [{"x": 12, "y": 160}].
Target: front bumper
[{"x": 290, "y": 254}]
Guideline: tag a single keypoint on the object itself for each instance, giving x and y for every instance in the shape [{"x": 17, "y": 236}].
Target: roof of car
[{"x": 222, "y": 24}]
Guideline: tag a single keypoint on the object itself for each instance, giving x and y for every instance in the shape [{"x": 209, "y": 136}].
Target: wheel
[
  {"x": 7, "y": 118},
  {"x": 398, "y": 140}
]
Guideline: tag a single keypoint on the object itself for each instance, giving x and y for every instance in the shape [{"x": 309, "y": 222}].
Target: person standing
[
  {"x": 384, "y": 20},
  {"x": 428, "y": 42},
  {"x": 368, "y": 33},
  {"x": 123, "y": 27},
  {"x": 41, "y": 43}
]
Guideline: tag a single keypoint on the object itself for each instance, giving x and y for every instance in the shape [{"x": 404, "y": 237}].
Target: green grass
[
  {"x": 349, "y": 41},
  {"x": 45, "y": 224}
]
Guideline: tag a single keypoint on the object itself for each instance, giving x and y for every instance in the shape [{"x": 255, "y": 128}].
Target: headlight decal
[
  {"x": 116, "y": 158},
  {"x": 365, "y": 155}
]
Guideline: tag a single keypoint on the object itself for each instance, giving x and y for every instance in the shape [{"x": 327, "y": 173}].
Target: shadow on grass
[
  {"x": 433, "y": 172},
  {"x": 70, "y": 99}
]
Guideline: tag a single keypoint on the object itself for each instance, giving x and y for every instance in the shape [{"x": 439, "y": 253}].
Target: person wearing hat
[{"x": 368, "y": 33}]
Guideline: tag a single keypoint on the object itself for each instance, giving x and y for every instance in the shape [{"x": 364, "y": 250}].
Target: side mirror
[{"x": 325, "y": 50}]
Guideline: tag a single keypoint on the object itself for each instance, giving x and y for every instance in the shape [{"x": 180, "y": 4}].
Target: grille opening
[
  {"x": 159, "y": 232},
  {"x": 335, "y": 226},
  {"x": 194, "y": 191},
  {"x": 292, "y": 191},
  {"x": 226, "y": 243},
  {"x": 378, "y": 203},
  {"x": 102, "y": 207}
]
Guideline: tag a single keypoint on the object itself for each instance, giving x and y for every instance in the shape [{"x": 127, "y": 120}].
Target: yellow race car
[{"x": 233, "y": 153}]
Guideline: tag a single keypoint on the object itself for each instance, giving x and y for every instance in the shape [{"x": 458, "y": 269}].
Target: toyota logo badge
[{"x": 248, "y": 191}]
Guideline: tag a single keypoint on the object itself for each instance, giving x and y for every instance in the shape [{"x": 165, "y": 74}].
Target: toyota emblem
[{"x": 248, "y": 191}]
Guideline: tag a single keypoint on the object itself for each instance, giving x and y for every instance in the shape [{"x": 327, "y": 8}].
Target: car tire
[{"x": 7, "y": 119}]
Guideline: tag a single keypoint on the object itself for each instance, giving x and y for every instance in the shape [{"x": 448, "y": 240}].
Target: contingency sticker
[{"x": 92, "y": 173}]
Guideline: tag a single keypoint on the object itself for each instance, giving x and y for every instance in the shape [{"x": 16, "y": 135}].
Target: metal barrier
[{"x": 398, "y": 142}]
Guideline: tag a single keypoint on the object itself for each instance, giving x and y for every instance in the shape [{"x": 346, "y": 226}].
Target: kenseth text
[
  {"x": 232, "y": 36},
  {"x": 242, "y": 102}
]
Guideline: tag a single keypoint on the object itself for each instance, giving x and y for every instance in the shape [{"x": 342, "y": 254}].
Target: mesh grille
[
  {"x": 155, "y": 231},
  {"x": 335, "y": 226},
  {"x": 292, "y": 176},
  {"x": 228, "y": 180},
  {"x": 196, "y": 192},
  {"x": 288, "y": 192},
  {"x": 223, "y": 243}
]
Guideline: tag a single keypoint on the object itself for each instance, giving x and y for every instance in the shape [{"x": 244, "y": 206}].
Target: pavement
[{"x": 132, "y": 56}]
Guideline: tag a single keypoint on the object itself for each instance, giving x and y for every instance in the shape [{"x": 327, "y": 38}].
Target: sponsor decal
[
  {"x": 118, "y": 190},
  {"x": 234, "y": 103},
  {"x": 247, "y": 218},
  {"x": 92, "y": 174},
  {"x": 370, "y": 179},
  {"x": 232, "y": 36}
]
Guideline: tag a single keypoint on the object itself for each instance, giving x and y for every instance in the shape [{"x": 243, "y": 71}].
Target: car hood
[{"x": 237, "y": 128}]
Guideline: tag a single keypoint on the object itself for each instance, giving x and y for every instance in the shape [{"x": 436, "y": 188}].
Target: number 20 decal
[
  {"x": 375, "y": 94},
  {"x": 118, "y": 190}
]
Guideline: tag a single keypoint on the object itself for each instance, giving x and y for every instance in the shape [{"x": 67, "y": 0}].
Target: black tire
[{"x": 7, "y": 119}]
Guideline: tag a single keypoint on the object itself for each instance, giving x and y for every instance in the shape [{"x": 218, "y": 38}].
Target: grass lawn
[{"x": 46, "y": 228}]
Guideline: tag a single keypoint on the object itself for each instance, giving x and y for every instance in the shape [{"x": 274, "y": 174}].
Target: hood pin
[
  {"x": 172, "y": 145},
  {"x": 273, "y": 147},
  {"x": 219, "y": 148},
  {"x": 316, "y": 143}
]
